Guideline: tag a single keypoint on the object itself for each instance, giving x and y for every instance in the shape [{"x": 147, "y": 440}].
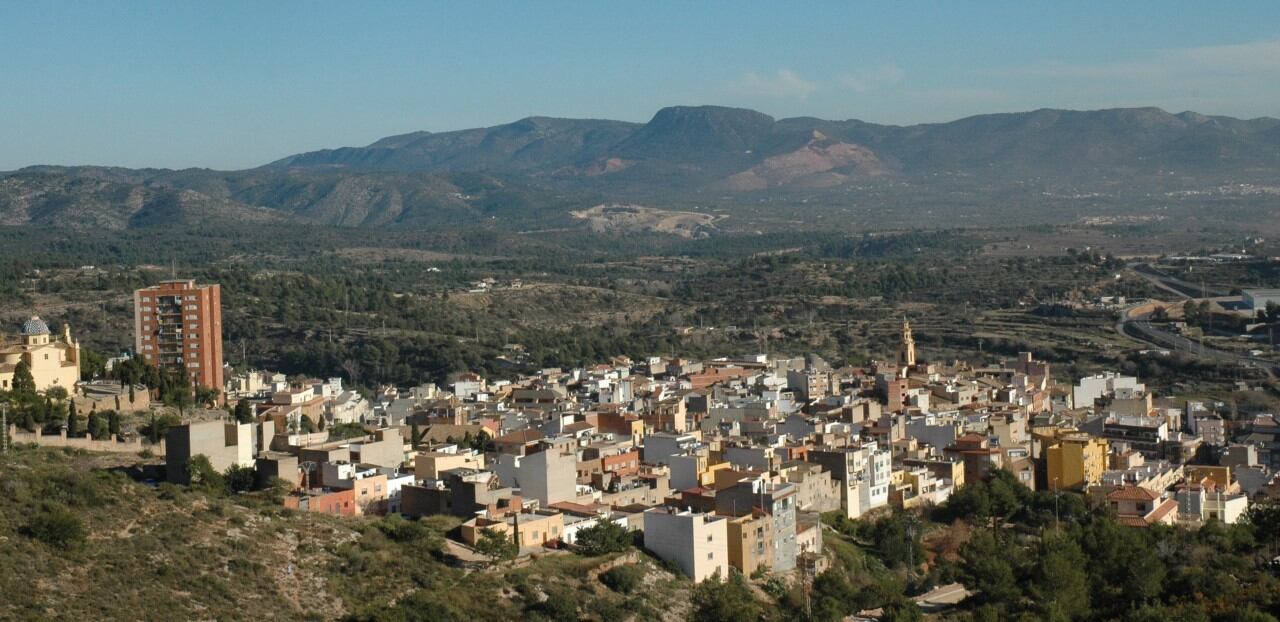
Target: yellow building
[
  {"x": 53, "y": 362},
  {"x": 750, "y": 542},
  {"x": 1076, "y": 460}
]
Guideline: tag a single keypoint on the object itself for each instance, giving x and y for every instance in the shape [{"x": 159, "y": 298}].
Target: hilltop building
[{"x": 53, "y": 362}]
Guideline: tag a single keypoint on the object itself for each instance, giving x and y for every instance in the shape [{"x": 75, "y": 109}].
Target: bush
[
  {"x": 239, "y": 479},
  {"x": 623, "y": 579},
  {"x": 58, "y": 527}
]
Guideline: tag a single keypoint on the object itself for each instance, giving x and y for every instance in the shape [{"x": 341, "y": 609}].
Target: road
[
  {"x": 1178, "y": 287},
  {"x": 1138, "y": 326}
]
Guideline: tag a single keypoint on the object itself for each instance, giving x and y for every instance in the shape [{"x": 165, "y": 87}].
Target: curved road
[{"x": 1138, "y": 326}]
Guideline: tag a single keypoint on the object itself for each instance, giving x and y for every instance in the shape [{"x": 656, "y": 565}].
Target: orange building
[{"x": 178, "y": 325}]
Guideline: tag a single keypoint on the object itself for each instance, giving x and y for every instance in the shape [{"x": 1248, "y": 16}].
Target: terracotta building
[{"x": 178, "y": 325}]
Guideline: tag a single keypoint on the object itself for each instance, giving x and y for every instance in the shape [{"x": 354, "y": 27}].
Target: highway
[{"x": 1135, "y": 322}]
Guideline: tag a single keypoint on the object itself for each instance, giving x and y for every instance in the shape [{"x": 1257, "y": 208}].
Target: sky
[{"x": 232, "y": 85}]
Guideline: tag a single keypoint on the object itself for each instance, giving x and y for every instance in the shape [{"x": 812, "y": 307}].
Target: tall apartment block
[{"x": 178, "y": 325}]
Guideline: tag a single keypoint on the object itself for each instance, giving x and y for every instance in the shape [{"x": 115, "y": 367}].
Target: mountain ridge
[{"x": 535, "y": 170}]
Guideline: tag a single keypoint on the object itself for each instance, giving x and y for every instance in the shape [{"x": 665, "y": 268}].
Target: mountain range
[{"x": 540, "y": 168}]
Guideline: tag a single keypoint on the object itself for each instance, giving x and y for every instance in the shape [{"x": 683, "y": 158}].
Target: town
[{"x": 717, "y": 466}]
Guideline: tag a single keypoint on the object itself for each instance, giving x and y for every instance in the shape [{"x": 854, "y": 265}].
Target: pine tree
[
  {"x": 72, "y": 429},
  {"x": 95, "y": 426},
  {"x": 113, "y": 423},
  {"x": 23, "y": 382}
]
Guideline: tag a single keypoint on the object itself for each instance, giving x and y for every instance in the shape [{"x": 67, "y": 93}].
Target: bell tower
[{"x": 907, "y": 351}]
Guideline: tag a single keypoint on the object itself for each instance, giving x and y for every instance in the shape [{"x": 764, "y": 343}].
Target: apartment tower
[{"x": 178, "y": 325}]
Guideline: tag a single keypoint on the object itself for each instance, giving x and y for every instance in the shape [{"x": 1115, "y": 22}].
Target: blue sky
[{"x": 237, "y": 84}]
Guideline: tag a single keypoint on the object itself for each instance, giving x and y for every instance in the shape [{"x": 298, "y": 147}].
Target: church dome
[{"x": 35, "y": 326}]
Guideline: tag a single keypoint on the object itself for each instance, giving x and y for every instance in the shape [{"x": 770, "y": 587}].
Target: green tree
[
  {"x": 73, "y": 427},
  {"x": 725, "y": 600},
  {"x": 987, "y": 568},
  {"x": 24, "y": 384},
  {"x": 113, "y": 422},
  {"x": 97, "y": 426},
  {"x": 243, "y": 412},
  {"x": 201, "y": 474},
  {"x": 1060, "y": 583},
  {"x": 239, "y": 478},
  {"x": 496, "y": 545},
  {"x": 604, "y": 537}
]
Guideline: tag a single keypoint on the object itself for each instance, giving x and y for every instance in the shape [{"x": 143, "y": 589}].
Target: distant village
[{"x": 721, "y": 463}]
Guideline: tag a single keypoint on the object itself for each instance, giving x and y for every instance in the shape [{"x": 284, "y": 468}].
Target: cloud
[
  {"x": 869, "y": 80},
  {"x": 1237, "y": 78},
  {"x": 1258, "y": 58},
  {"x": 782, "y": 84}
]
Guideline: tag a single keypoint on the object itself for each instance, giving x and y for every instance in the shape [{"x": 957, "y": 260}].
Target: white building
[
  {"x": 1202, "y": 504},
  {"x": 697, "y": 543},
  {"x": 1256, "y": 299},
  {"x": 1091, "y": 388}
]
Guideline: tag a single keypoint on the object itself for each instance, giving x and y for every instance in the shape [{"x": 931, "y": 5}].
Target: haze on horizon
[{"x": 242, "y": 84}]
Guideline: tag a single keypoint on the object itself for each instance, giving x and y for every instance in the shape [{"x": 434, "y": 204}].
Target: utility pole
[
  {"x": 4, "y": 429},
  {"x": 1056, "y": 495}
]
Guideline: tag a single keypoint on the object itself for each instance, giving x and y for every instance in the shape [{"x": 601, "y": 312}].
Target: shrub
[
  {"x": 57, "y": 526},
  {"x": 623, "y": 579}
]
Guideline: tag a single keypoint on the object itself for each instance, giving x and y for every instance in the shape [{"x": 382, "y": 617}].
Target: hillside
[{"x": 81, "y": 540}]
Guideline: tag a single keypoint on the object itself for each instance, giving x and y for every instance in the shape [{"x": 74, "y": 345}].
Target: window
[
  {"x": 708, "y": 537},
  {"x": 711, "y": 555}
]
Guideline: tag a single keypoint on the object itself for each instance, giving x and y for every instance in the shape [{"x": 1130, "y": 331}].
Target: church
[{"x": 53, "y": 362}]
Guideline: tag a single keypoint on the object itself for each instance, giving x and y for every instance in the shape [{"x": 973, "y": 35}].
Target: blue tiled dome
[{"x": 35, "y": 326}]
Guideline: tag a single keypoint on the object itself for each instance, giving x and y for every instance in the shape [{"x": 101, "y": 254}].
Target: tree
[
  {"x": 986, "y": 568},
  {"x": 1060, "y": 584},
  {"x": 481, "y": 441},
  {"x": 243, "y": 412},
  {"x": 113, "y": 422},
  {"x": 1265, "y": 520},
  {"x": 24, "y": 384},
  {"x": 239, "y": 478},
  {"x": 56, "y": 393},
  {"x": 72, "y": 420},
  {"x": 725, "y": 600},
  {"x": 201, "y": 474},
  {"x": 496, "y": 545},
  {"x": 604, "y": 537},
  {"x": 308, "y": 426},
  {"x": 97, "y": 426}
]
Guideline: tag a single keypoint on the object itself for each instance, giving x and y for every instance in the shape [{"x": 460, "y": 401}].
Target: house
[
  {"x": 1139, "y": 507},
  {"x": 224, "y": 444},
  {"x": 529, "y": 530}
]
